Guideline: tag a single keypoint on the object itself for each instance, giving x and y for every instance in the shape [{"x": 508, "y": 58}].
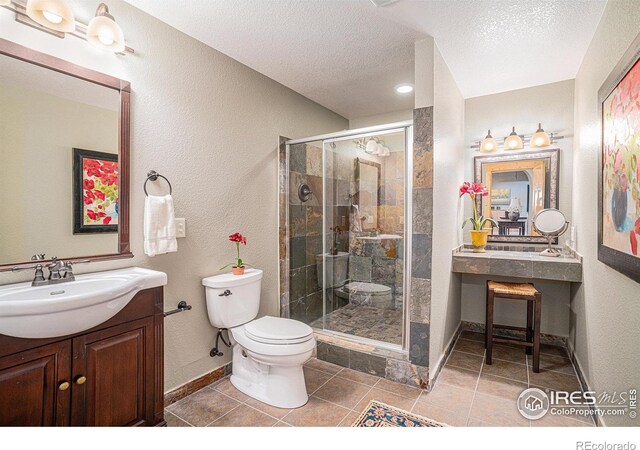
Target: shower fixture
[{"x": 304, "y": 192}]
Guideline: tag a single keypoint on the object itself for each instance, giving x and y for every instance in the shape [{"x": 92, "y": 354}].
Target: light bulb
[
  {"x": 488, "y": 144},
  {"x": 105, "y": 39},
  {"x": 513, "y": 141},
  {"x": 51, "y": 17},
  {"x": 540, "y": 138},
  {"x": 372, "y": 147}
]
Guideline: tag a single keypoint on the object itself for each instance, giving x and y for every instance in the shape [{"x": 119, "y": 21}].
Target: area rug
[{"x": 378, "y": 414}]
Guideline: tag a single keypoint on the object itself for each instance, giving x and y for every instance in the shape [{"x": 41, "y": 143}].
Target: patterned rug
[{"x": 378, "y": 414}]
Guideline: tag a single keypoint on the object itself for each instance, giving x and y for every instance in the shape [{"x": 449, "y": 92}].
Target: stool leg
[
  {"x": 530, "y": 304},
  {"x": 489, "y": 326},
  {"x": 536, "y": 333}
]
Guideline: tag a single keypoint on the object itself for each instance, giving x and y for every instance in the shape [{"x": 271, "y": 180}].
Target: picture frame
[
  {"x": 619, "y": 166},
  {"x": 95, "y": 192}
]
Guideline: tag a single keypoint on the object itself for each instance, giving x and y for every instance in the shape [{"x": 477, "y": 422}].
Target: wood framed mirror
[
  {"x": 520, "y": 185},
  {"x": 53, "y": 202}
]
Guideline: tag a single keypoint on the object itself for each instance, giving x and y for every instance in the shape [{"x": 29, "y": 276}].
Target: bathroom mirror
[
  {"x": 520, "y": 185},
  {"x": 64, "y": 160},
  {"x": 367, "y": 195}
]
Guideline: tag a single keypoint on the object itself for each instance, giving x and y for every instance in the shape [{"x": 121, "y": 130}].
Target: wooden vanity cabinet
[{"x": 111, "y": 375}]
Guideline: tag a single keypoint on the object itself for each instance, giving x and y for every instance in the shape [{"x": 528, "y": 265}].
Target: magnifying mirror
[{"x": 550, "y": 223}]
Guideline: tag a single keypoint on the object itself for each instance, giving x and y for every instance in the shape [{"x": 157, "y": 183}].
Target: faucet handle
[
  {"x": 21, "y": 268},
  {"x": 38, "y": 257},
  {"x": 67, "y": 266}
]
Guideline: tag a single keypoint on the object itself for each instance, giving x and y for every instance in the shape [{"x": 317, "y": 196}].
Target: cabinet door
[
  {"x": 113, "y": 376},
  {"x": 35, "y": 386}
]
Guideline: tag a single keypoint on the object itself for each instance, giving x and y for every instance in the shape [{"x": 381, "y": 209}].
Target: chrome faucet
[{"x": 55, "y": 268}]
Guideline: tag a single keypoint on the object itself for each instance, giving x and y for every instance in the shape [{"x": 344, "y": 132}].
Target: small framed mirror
[
  {"x": 520, "y": 186},
  {"x": 368, "y": 191},
  {"x": 551, "y": 224},
  {"x": 64, "y": 160}
]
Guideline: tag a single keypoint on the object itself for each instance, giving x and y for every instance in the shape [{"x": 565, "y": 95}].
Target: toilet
[{"x": 268, "y": 353}]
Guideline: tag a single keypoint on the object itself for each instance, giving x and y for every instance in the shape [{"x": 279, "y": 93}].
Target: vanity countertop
[{"x": 518, "y": 264}]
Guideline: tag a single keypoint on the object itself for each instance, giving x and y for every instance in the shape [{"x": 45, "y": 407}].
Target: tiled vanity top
[{"x": 518, "y": 264}]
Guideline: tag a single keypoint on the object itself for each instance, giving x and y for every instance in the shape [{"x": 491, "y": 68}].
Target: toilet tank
[{"x": 233, "y": 300}]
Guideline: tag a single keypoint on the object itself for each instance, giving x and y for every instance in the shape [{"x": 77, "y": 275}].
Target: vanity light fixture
[
  {"x": 53, "y": 14},
  {"x": 488, "y": 144},
  {"x": 104, "y": 32},
  {"x": 372, "y": 147},
  {"x": 513, "y": 141},
  {"x": 540, "y": 138},
  {"x": 404, "y": 88}
]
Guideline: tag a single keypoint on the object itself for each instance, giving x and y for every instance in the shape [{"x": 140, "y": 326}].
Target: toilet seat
[{"x": 278, "y": 331}]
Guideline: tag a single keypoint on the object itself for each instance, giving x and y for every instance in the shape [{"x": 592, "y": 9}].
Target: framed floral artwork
[
  {"x": 95, "y": 192},
  {"x": 619, "y": 168}
]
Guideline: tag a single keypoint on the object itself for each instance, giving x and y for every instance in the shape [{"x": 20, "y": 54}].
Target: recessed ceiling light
[{"x": 404, "y": 89}]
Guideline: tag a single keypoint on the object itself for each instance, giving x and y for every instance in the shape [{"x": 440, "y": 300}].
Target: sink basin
[{"x": 68, "y": 308}]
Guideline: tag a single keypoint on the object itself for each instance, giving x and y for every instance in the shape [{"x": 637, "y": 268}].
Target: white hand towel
[{"x": 159, "y": 225}]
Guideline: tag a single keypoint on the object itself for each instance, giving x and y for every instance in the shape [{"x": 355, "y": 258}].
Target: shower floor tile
[{"x": 364, "y": 321}]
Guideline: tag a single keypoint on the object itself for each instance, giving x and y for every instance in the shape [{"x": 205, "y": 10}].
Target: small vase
[
  {"x": 479, "y": 240},
  {"x": 237, "y": 270}
]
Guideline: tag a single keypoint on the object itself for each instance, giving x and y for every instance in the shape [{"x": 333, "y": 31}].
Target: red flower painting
[{"x": 97, "y": 177}]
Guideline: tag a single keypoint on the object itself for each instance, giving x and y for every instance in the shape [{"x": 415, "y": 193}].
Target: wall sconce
[
  {"x": 104, "y": 32},
  {"x": 540, "y": 138},
  {"x": 373, "y": 146},
  {"x": 56, "y": 17},
  {"x": 54, "y": 14},
  {"x": 513, "y": 141},
  {"x": 488, "y": 144}
]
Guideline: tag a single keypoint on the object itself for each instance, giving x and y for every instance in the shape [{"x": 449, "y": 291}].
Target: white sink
[{"x": 71, "y": 307}]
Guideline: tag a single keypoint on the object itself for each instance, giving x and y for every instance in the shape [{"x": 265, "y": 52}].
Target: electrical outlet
[{"x": 181, "y": 228}]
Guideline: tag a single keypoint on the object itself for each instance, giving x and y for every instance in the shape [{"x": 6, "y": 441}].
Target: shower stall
[{"x": 347, "y": 197}]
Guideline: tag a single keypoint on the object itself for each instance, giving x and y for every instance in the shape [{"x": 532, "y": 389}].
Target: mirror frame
[
  {"x": 553, "y": 173},
  {"x": 28, "y": 55}
]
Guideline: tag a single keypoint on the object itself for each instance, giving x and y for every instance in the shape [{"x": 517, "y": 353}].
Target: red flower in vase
[{"x": 237, "y": 237}]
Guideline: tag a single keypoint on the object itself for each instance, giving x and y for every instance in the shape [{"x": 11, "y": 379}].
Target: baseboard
[
  {"x": 196, "y": 384},
  {"x": 443, "y": 358},
  {"x": 583, "y": 382},
  {"x": 550, "y": 339}
]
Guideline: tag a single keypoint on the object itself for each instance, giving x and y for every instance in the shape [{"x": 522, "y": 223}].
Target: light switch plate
[{"x": 181, "y": 228}]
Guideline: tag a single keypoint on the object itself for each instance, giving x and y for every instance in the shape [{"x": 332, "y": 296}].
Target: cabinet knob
[
  {"x": 63, "y": 386},
  {"x": 81, "y": 380}
]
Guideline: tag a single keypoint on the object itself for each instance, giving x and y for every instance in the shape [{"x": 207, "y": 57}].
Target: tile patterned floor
[
  {"x": 467, "y": 393},
  {"x": 365, "y": 321}
]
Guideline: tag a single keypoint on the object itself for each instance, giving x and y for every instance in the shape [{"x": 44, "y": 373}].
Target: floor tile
[
  {"x": 441, "y": 415},
  {"x": 500, "y": 387},
  {"x": 278, "y": 413},
  {"x": 463, "y": 360},
  {"x": 506, "y": 369},
  {"x": 472, "y": 336},
  {"x": 316, "y": 413},
  {"x": 323, "y": 366},
  {"x": 342, "y": 392},
  {"x": 174, "y": 421},
  {"x": 229, "y": 389},
  {"x": 203, "y": 407},
  {"x": 550, "y": 420},
  {"x": 281, "y": 424},
  {"x": 481, "y": 423},
  {"x": 448, "y": 397},
  {"x": 509, "y": 353},
  {"x": 496, "y": 410},
  {"x": 475, "y": 347},
  {"x": 554, "y": 380},
  {"x": 555, "y": 363},
  {"x": 397, "y": 388},
  {"x": 357, "y": 376},
  {"x": 313, "y": 379},
  {"x": 385, "y": 397},
  {"x": 244, "y": 416},
  {"x": 350, "y": 419},
  {"x": 465, "y": 379}
]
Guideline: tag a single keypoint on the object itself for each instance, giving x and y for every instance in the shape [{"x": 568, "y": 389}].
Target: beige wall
[
  {"x": 210, "y": 125},
  {"x": 36, "y": 172},
  {"x": 448, "y": 140},
  {"x": 551, "y": 104},
  {"x": 381, "y": 119},
  {"x": 605, "y": 308}
]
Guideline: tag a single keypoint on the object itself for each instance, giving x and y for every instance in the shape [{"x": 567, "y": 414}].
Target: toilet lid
[{"x": 277, "y": 330}]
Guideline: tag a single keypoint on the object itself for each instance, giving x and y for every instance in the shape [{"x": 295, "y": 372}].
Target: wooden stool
[{"x": 515, "y": 291}]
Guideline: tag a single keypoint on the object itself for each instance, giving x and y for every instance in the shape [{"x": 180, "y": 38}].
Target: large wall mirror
[
  {"x": 520, "y": 185},
  {"x": 64, "y": 160}
]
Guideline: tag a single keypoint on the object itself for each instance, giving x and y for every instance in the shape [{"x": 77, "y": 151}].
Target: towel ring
[{"x": 153, "y": 176}]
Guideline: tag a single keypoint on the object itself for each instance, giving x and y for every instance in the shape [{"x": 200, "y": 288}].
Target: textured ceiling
[{"x": 348, "y": 55}]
